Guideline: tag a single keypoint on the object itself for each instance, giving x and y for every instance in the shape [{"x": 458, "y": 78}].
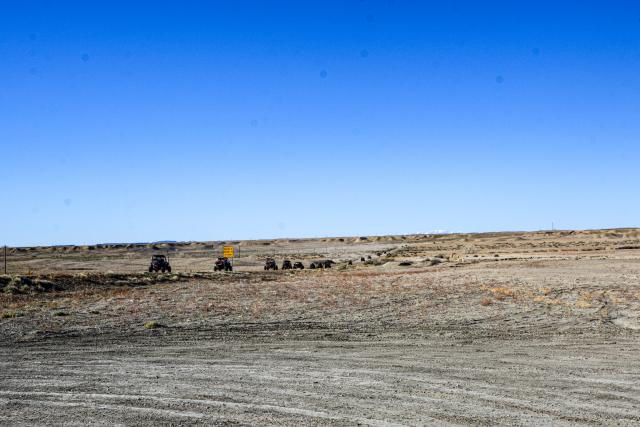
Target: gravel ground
[
  {"x": 545, "y": 337},
  {"x": 388, "y": 380}
]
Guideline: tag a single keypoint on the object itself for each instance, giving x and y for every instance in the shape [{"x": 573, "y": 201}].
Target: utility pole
[{"x": 5, "y": 259}]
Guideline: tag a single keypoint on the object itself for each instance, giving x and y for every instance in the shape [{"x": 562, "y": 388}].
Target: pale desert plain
[{"x": 521, "y": 328}]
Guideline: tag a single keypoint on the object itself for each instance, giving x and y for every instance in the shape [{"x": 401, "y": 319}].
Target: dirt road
[{"x": 386, "y": 380}]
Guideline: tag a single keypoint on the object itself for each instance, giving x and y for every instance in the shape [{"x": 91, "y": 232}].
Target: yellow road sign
[{"x": 227, "y": 251}]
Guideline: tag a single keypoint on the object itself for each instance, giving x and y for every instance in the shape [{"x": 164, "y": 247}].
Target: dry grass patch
[
  {"x": 152, "y": 325},
  {"x": 583, "y": 304},
  {"x": 547, "y": 300},
  {"x": 500, "y": 293},
  {"x": 11, "y": 314}
]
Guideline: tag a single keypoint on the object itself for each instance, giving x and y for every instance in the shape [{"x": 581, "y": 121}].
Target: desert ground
[{"x": 537, "y": 328}]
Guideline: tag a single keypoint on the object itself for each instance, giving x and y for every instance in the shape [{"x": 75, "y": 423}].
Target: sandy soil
[{"x": 490, "y": 329}]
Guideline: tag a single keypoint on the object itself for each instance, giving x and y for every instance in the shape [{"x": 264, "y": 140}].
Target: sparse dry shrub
[
  {"x": 500, "y": 293},
  {"x": 583, "y": 304},
  {"x": 485, "y": 301},
  {"x": 587, "y": 298},
  {"x": 119, "y": 293},
  {"x": 255, "y": 309},
  {"x": 152, "y": 325},
  {"x": 11, "y": 314},
  {"x": 547, "y": 300}
]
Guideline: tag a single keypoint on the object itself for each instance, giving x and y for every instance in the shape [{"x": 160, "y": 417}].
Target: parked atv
[
  {"x": 286, "y": 265},
  {"x": 159, "y": 263},
  {"x": 298, "y": 265},
  {"x": 327, "y": 263},
  {"x": 222, "y": 264},
  {"x": 270, "y": 264}
]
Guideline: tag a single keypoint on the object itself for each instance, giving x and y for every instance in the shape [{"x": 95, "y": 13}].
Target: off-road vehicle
[
  {"x": 270, "y": 264},
  {"x": 222, "y": 264},
  {"x": 298, "y": 265},
  {"x": 159, "y": 263},
  {"x": 326, "y": 263},
  {"x": 286, "y": 265}
]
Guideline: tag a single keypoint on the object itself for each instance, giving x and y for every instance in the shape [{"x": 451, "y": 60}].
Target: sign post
[{"x": 228, "y": 252}]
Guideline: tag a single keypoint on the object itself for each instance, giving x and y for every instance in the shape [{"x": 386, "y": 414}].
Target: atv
[
  {"x": 222, "y": 264},
  {"x": 322, "y": 264},
  {"x": 328, "y": 263},
  {"x": 159, "y": 263},
  {"x": 298, "y": 265},
  {"x": 286, "y": 265},
  {"x": 270, "y": 264}
]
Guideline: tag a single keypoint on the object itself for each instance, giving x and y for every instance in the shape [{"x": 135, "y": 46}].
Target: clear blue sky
[{"x": 143, "y": 121}]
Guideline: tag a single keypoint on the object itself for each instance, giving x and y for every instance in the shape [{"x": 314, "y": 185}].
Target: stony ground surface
[{"x": 521, "y": 329}]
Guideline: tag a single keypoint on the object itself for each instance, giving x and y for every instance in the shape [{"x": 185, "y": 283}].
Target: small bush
[
  {"x": 11, "y": 314},
  {"x": 59, "y": 313},
  {"x": 152, "y": 325},
  {"x": 500, "y": 293},
  {"x": 485, "y": 302}
]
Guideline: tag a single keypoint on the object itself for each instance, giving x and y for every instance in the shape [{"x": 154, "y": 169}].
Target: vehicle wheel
[
  {"x": 275, "y": 268},
  {"x": 169, "y": 269},
  {"x": 162, "y": 270}
]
